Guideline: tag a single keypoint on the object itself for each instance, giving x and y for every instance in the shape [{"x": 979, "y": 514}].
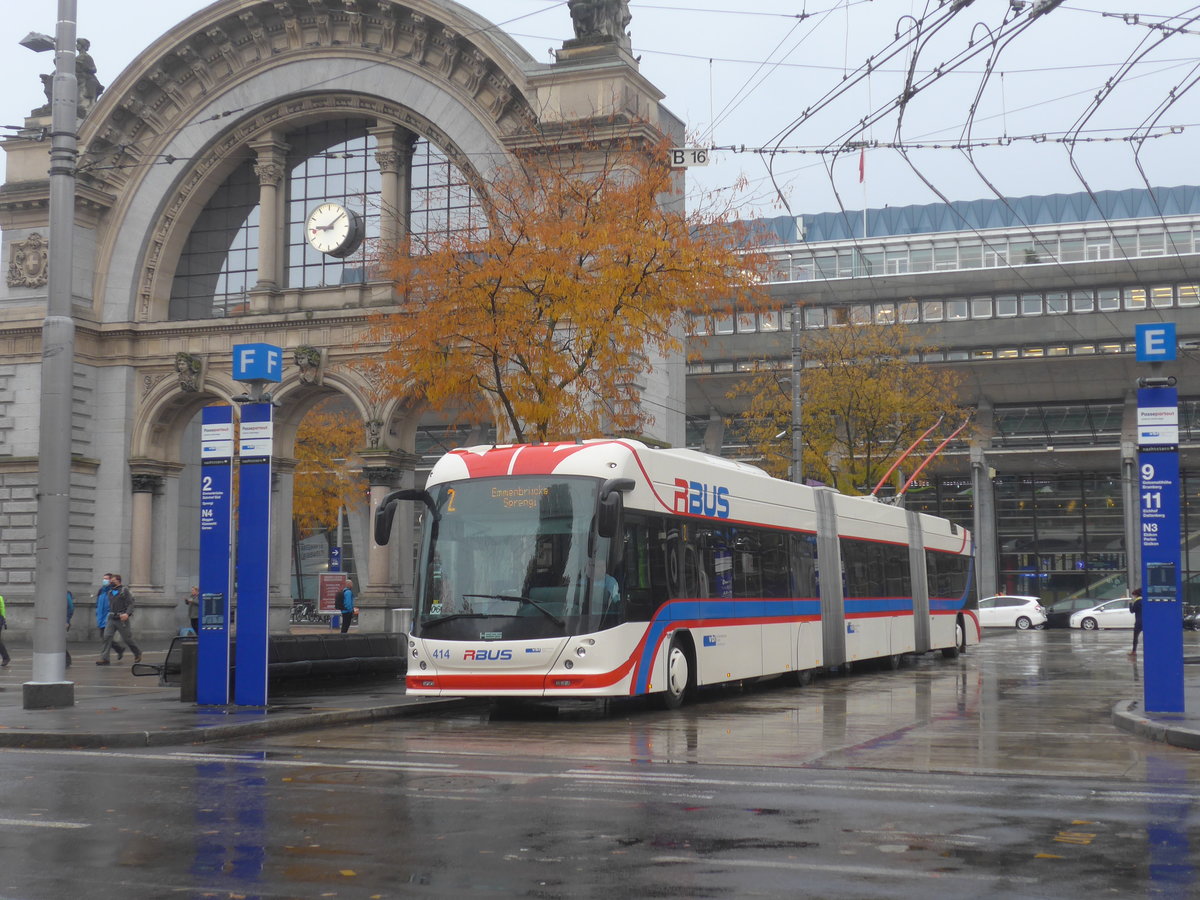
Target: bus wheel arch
[
  {"x": 681, "y": 670},
  {"x": 960, "y": 639}
]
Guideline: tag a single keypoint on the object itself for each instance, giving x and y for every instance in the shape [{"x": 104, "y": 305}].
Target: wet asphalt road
[{"x": 996, "y": 775}]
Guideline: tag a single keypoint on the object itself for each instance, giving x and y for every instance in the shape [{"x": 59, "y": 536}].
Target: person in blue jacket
[
  {"x": 70, "y": 612},
  {"x": 347, "y": 604},
  {"x": 102, "y": 611}
]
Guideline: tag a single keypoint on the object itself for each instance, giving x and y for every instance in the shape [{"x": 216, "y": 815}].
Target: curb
[
  {"x": 50, "y": 740},
  {"x": 1166, "y": 728}
]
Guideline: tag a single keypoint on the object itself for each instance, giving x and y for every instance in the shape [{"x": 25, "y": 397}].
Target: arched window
[{"x": 331, "y": 161}]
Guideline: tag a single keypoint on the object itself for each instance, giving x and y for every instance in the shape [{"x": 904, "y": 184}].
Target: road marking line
[
  {"x": 865, "y": 871},
  {"x": 42, "y": 823}
]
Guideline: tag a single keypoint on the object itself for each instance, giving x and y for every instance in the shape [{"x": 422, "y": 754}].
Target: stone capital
[{"x": 145, "y": 483}]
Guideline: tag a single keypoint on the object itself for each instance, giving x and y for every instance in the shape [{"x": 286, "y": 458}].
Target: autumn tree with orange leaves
[
  {"x": 542, "y": 320},
  {"x": 326, "y": 468},
  {"x": 864, "y": 402}
]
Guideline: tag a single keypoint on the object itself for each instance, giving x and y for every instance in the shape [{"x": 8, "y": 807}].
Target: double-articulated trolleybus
[{"x": 608, "y": 568}]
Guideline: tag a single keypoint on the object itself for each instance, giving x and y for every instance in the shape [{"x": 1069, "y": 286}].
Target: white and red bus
[{"x": 609, "y": 568}]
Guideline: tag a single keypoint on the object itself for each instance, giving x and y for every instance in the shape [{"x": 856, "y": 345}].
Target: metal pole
[
  {"x": 48, "y": 688},
  {"x": 797, "y": 366}
]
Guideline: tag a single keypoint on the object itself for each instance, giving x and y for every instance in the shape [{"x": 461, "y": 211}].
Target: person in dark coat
[{"x": 1135, "y": 607}]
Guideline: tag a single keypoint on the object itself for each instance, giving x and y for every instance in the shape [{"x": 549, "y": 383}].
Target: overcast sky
[{"x": 789, "y": 76}]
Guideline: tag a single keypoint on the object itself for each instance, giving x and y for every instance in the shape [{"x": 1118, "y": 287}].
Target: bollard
[{"x": 187, "y": 671}]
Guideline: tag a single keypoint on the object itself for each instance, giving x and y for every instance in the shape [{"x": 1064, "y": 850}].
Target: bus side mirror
[
  {"x": 612, "y": 505},
  {"x": 383, "y": 515}
]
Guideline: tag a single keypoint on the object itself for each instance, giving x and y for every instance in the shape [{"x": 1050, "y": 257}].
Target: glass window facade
[
  {"x": 330, "y": 161},
  {"x": 219, "y": 262},
  {"x": 327, "y": 161}
]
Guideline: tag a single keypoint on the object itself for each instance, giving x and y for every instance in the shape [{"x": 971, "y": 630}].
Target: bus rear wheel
[
  {"x": 960, "y": 640},
  {"x": 678, "y": 675}
]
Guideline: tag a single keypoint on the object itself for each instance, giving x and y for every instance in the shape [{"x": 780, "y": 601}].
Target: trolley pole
[{"x": 48, "y": 687}]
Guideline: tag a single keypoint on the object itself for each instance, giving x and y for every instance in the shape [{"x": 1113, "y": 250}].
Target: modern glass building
[{"x": 1035, "y": 300}]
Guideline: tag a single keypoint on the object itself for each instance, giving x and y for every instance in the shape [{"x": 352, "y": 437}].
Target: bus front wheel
[{"x": 678, "y": 675}]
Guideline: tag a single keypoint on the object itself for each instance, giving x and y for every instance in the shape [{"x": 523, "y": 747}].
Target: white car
[
  {"x": 1110, "y": 614},
  {"x": 1012, "y": 611}
]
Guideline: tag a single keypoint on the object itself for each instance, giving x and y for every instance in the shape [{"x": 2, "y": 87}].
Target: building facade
[
  {"x": 199, "y": 165},
  {"x": 1035, "y": 300}
]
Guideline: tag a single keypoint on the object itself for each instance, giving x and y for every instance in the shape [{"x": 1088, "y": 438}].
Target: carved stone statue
[
  {"x": 189, "y": 369},
  {"x": 90, "y": 87},
  {"x": 308, "y": 361},
  {"x": 87, "y": 84},
  {"x": 596, "y": 21}
]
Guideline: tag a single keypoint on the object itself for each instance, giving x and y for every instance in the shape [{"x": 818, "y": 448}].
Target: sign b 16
[{"x": 688, "y": 156}]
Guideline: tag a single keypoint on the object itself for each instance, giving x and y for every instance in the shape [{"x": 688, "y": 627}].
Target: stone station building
[{"x": 198, "y": 166}]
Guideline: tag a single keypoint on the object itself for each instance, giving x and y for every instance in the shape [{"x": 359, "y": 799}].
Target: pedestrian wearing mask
[
  {"x": 120, "y": 608},
  {"x": 102, "y": 612}
]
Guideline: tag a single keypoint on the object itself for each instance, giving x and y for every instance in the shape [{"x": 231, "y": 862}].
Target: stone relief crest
[{"x": 28, "y": 262}]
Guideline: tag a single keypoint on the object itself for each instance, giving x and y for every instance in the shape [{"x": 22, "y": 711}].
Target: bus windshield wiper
[
  {"x": 465, "y": 615},
  {"x": 521, "y": 599}
]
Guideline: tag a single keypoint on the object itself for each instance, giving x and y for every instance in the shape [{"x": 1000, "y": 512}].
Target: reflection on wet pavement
[{"x": 1020, "y": 703}]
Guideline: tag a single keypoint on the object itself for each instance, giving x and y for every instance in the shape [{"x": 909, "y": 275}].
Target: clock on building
[{"x": 334, "y": 230}]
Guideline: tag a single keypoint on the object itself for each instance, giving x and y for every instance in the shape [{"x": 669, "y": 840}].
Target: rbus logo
[
  {"x": 483, "y": 655},
  {"x": 701, "y": 499}
]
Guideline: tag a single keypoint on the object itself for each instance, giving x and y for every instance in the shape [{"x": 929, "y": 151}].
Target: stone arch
[
  {"x": 165, "y": 410},
  {"x": 455, "y": 75}
]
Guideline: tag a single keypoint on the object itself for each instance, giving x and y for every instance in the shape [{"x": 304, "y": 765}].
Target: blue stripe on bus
[
  {"x": 714, "y": 611},
  {"x": 878, "y": 604},
  {"x": 717, "y": 610}
]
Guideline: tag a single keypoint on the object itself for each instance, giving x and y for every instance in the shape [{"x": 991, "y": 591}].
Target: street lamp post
[{"x": 48, "y": 688}]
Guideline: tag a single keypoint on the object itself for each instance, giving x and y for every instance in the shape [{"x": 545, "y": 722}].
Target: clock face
[{"x": 333, "y": 230}]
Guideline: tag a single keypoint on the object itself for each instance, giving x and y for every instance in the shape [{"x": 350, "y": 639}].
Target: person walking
[
  {"x": 347, "y": 604},
  {"x": 1135, "y": 607},
  {"x": 70, "y": 613},
  {"x": 120, "y": 608},
  {"x": 102, "y": 612},
  {"x": 5, "y": 659},
  {"x": 193, "y": 608}
]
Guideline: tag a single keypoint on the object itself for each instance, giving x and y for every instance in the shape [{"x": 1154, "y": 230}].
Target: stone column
[
  {"x": 141, "y": 547},
  {"x": 394, "y": 156},
  {"x": 270, "y": 167},
  {"x": 389, "y": 568}
]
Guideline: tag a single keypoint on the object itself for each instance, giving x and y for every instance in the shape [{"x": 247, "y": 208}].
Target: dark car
[
  {"x": 1191, "y": 618},
  {"x": 1058, "y": 613}
]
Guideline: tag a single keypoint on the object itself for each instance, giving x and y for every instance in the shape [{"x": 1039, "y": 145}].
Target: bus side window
[
  {"x": 644, "y": 567},
  {"x": 716, "y": 562},
  {"x": 775, "y": 565},
  {"x": 747, "y": 568},
  {"x": 804, "y": 565}
]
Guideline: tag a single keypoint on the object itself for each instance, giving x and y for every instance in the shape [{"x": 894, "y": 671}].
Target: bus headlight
[
  {"x": 581, "y": 652},
  {"x": 568, "y": 664}
]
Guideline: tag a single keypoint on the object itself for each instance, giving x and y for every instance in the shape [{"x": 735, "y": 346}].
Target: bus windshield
[{"x": 507, "y": 558}]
